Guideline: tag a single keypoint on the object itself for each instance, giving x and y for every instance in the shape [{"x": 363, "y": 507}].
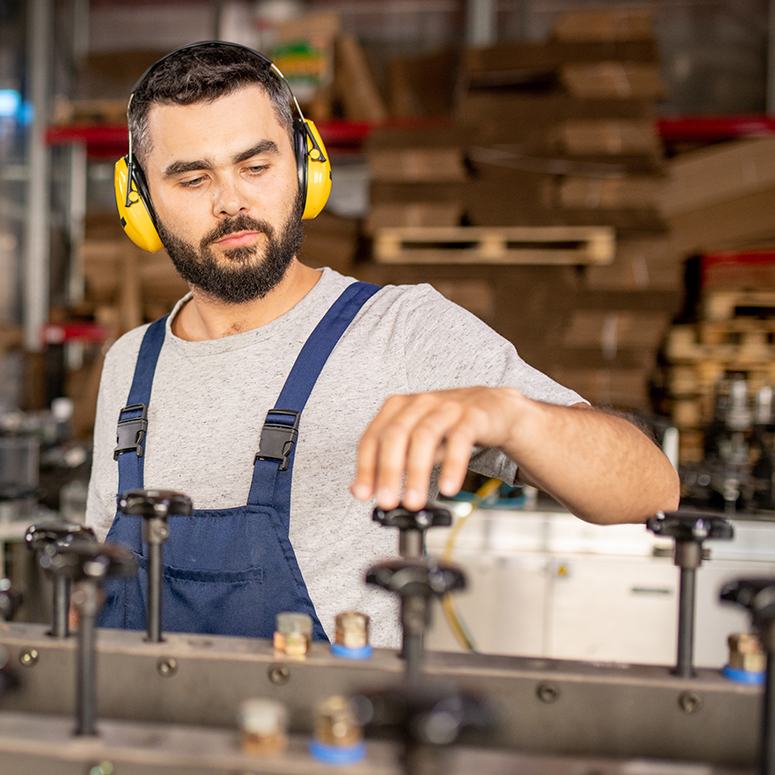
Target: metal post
[
  {"x": 36, "y": 243},
  {"x": 411, "y": 543},
  {"x": 414, "y": 614},
  {"x": 153, "y": 618},
  {"x": 61, "y": 609},
  {"x": 155, "y": 533},
  {"x": 85, "y": 598},
  {"x": 688, "y": 557},
  {"x": 684, "y": 667}
]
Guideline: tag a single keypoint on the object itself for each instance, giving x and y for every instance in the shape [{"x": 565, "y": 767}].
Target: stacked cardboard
[
  {"x": 721, "y": 197},
  {"x": 563, "y": 132},
  {"x": 418, "y": 177}
]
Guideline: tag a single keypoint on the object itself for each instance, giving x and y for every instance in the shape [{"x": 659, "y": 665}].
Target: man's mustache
[{"x": 234, "y": 225}]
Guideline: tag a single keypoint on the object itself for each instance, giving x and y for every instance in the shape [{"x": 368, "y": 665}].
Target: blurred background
[{"x": 595, "y": 180}]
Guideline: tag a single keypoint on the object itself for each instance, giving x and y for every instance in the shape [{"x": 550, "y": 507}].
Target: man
[{"x": 396, "y": 392}]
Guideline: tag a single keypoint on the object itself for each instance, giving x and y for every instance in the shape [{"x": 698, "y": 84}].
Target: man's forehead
[
  {"x": 247, "y": 101},
  {"x": 228, "y": 124}
]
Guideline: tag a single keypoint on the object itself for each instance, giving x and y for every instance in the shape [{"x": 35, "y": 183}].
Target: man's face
[{"x": 222, "y": 177}]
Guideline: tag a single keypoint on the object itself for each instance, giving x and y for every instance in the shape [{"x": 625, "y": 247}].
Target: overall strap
[
  {"x": 133, "y": 418},
  {"x": 273, "y": 465}
]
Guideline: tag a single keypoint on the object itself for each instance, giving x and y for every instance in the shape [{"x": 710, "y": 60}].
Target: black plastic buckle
[
  {"x": 130, "y": 432},
  {"x": 277, "y": 439}
]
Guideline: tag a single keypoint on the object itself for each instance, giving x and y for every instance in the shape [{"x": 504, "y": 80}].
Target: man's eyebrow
[
  {"x": 179, "y": 167},
  {"x": 260, "y": 148}
]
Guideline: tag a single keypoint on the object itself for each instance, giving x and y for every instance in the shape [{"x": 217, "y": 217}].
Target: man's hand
[
  {"x": 412, "y": 433},
  {"x": 600, "y": 466}
]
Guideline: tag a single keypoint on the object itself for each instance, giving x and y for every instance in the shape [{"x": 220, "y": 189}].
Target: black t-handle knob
[
  {"x": 155, "y": 506},
  {"x": 757, "y": 595},
  {"x": 408, "y": 577},
  {"x": 690, "y": 529},
  {"x": 59, "y": 535},
  {"x": 10, "y": 600},
  {"x": 48, "y": 538},
  {"x": 412, "y": 525},
  {"x": 426, "y": 714},
  {"x": 416, "y": 582},
  {"x": 91, "y": 562},
  {"x": 87, "y": 566}
]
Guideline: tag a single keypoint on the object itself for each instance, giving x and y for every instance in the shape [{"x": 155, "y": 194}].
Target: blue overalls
[{"x": 226, "y": 571}]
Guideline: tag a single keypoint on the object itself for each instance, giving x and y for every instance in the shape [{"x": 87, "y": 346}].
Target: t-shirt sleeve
[{"x": 448, "y": 347}]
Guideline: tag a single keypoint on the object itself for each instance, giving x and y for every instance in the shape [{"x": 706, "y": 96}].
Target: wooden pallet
[
  {"x": 495, "y": 245},
  {"x": 746, "y": 350},
  {"x": 700, "y": 379},
  {"x": 726, "y": 305}
]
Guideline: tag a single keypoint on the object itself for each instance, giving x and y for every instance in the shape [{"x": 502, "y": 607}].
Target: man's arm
[{"x": 600, "y": 466}]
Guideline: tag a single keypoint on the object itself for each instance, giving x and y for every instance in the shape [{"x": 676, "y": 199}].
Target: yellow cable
[{"x": 454, "y": 619}]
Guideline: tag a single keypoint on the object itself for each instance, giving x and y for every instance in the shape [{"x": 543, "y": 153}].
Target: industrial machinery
[
  {"x": 737, "y": 473},
  {"x": 113, "y": 702}
]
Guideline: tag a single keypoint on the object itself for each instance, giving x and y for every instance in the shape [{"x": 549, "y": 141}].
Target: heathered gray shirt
[{"x": 210, "y": 399}]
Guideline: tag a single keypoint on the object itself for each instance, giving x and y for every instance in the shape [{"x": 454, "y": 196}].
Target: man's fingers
[
  {"x": 428, "y": 439},
  {"x": 391, "y": 426}
]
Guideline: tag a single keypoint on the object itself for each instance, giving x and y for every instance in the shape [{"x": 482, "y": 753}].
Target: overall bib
[{"x": 226, "y": 571}]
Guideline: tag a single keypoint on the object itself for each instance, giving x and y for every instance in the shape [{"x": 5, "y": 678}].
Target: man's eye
[
  {"x": 258, "y": 169},
  {"x": 192, "y": 183}
]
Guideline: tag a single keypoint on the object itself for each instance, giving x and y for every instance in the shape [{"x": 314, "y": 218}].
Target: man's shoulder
[{"x": 128, "y": 343}]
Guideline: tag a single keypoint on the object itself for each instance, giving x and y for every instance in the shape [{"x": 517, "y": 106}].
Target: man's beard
[{"x": 246, "y": 277}]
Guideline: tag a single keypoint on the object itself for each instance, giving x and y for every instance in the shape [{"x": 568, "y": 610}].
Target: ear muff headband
[{"x": 133, "y": 198}]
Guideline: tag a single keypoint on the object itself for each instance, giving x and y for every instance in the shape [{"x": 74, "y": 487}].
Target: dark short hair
[{"x": 202, "y": 73}]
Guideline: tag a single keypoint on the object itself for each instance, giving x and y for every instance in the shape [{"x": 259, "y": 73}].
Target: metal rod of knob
[
  {"x": 411, "y": 543},
  {"x": 60, "y": 627},
  {"x": 156, "y": 532},
  {"x": 686, "y": 598},
  {"x": 153, "y": 618},
  {"x": 414, "y": 618},
  {"x": 86, "y": 600},
  {"x": 688, "y": 557}
]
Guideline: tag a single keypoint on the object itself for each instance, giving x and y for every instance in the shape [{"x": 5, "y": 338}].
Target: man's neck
[{"x": 205, "y": 318}]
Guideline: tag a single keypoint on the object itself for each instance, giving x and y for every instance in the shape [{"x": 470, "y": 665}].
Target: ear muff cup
[
  {"x": 316, "y": 166},
  {"x": 312, "y": 166},
  {"x": 138, "y": 219}
]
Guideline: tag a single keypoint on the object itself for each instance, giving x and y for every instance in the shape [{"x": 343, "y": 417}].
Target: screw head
[
  {"x": 548, "y": 692},
  {"x": 689, "y": 702},
  {"x": 279, "y": 674},
  {"x": 167, "y": 666},
  {"x": 29, "y": 658}
]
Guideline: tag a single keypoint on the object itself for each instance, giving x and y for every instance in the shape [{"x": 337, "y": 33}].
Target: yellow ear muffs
[
  {"x": 136, "y": 217},
  {"x": 314, "y": 167}
]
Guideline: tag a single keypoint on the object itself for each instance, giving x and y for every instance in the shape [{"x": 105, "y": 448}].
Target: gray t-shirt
[{"x": 210, "y": 399}]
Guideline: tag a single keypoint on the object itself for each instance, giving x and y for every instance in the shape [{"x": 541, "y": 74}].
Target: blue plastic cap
[
  {"x": 743, "y": 676},
  {"x": 338, "y": 650},
  {"x": 335, "y": 754}
]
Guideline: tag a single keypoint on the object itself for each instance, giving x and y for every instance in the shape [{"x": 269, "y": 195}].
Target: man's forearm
[{"x": 601, "y": 467}]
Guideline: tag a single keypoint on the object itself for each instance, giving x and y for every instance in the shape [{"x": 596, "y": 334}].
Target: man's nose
[{"x": 229, "y": 198}]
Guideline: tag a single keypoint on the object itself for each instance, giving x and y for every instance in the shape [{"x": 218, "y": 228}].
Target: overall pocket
[{"x": 224, "y": 602}]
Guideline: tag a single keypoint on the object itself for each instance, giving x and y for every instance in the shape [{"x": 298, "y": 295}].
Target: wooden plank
[
  {"x": 724, "y": 305},
  {"x": 493, "y": 245}
]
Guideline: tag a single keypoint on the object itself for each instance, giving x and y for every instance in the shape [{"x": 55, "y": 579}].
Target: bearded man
[{"x": 385, "y": 395}]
